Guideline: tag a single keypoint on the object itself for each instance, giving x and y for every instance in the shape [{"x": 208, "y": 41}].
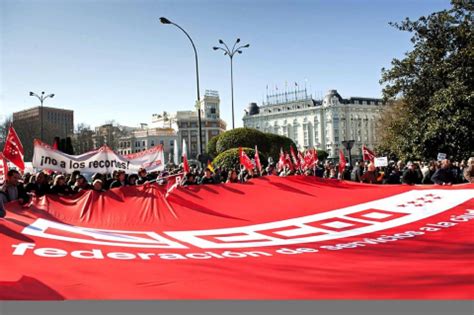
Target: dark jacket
[
  {"x": 443, "y": 175},
  {"x": 411, "y": 177}
]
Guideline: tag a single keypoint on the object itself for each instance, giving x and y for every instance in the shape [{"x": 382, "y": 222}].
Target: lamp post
[
  {"x": 164, "y": 20},
  {"x": 41, "y": 97},
  {"x": 231, "y": 53},
  {"x": 348, "y": 145}
]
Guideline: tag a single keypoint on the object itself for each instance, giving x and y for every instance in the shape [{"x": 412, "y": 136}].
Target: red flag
[
  {"x": 342, "y": 162},
  {"x": 295, "y": 160},
  {"x": 281, "y": 161},
  {"x": 367, "y": 155},
  {"x": 301, "y": 160},
  {"x": 310, "y": 158},
  {"x": 185, "y": 158},
  {"x": 3, "y": 168},
  {"x": 55, "y": 144},
  {"x": 257, "y": 161},
  {"x": 13, "y": 150},
  {"x": 245, "y": 160}
]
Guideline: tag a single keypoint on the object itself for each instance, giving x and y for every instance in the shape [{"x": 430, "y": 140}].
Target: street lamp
[
  {"x": 164, "y": 20},
  {"x": 231, "y": 53},
  {"x": 348, "y": 145},
  {"x": 41, "y": 97}
]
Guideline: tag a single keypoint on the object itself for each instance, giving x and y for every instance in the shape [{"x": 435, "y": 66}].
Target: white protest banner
[
  {"x": 441, "y": 156},
  {"x": 102, "y": 160},
  {"x": 381, "y": 161}
]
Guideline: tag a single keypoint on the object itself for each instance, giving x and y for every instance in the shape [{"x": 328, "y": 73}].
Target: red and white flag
[
  {"x": 3, "y": 168},
  {"x": 257, "y": 161},
  {"x": 342, "y": 162},
  {"x": 367, "y": 155},
  {"x": 281, "y": 161},
  {"x": 13, "y": 149},
  {"x": 295, "y": 159},
  {"x": 185, "y": 158},
  {"x": 245, "y": 160}
]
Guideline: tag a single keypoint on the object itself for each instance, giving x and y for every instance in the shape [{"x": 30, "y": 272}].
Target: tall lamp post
[
  {"x": 348, "y": 145},
  {"x": 41, "y": 97},
  {"x": 164, "y": 20},
  {"x": 231, "y": 53}
]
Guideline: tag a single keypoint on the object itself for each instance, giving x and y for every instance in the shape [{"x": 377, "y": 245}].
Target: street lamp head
[
  {"x": 238, "y": 40},
  {"x": 51, "y": 95},
  {"x": 31, "y": 93},
  {"x": 221, "y": 41},
  {"x": 42, "y": 92},
  {"x": 164, "y": 20},
  {"x": 239, "y": 51},
  {"x": 215, "y": 48},
  {"x": 246, "y": 46}
]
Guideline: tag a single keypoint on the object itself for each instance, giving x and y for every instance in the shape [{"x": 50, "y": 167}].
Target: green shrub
[
  {"x": 276, "y": 142},
  {"x": 230, "y": 159},
  {"x": 211, "y": 146},
  {"x": 322, "y": 155},
  {"x": 242, "y": 137}
]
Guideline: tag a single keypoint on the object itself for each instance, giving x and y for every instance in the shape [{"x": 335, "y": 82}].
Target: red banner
[{"x": 271, "y": 238}]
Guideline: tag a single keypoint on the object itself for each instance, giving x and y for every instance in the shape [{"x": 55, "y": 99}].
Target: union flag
[{"x": 13, "y": 150}]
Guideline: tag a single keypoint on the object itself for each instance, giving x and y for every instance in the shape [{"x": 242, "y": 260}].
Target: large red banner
[{"x": 271, "y": 238}]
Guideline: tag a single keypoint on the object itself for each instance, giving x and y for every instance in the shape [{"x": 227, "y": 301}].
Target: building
[
  {"x": 186, "y": 123},
  {"x": 318, "y": 123},
  {"x": 57, "y": 122},
  {"x": 146, "y": 138},
  {"x": 110, "y": 135}
]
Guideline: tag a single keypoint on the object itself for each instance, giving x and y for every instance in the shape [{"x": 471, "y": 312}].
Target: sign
[
  {"x": 381, "y": 161},
  {"x": 103, "y": 160},
  {"x": 308, "y": 238},
  {"x": 441, "y": 156}
]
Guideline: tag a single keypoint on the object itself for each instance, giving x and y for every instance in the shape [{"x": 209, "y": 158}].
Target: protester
[
  {"x": 469, "y": 170},
  {"x": 98, "y": 185},
  {"x": 120, "y": 180},
  {"x": 444, "y": 175},
  {"x": 207, "y": 178},
  {"x": 12, "y": 190},
  {"x": 81, "y": 184},
  {"x": 411, "y": 175},
  {"x": 60, "y": 187},
  {"x": 232, "y": 177}
]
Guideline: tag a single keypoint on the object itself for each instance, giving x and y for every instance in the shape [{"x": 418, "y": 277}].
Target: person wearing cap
[
  {"x": 411, "y": 176},
  {"x": 98, "y": 185},
  {"x": 207, "y": 178},
  {"x": 120, "y": 180}
]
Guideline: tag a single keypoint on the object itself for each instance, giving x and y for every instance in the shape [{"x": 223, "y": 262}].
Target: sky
[{"x": 113, "y": 60}]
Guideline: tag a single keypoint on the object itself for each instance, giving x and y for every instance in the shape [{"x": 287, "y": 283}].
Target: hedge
[
  {"x": 242, "y": 137},
  {"x": 230, "y": 159},
  {"x": 211, "y": 146}
]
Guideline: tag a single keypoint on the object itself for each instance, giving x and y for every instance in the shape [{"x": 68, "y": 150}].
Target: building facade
[
  {"x": 323, "y": 124},
  {"x": 145, "y": 138},
  {"x": 57, "y": 122},
  {"x": 186, "y": 123}
]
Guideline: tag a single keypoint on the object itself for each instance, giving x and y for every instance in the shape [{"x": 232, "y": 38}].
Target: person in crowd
[
  {"x": 98, "y": 185},
  {"x": 120, "y": 180},
  {"x": 188, "y": 180},
  {"x": 232, "y": 177},
  {"x": 81, "y": 184},
  {"x": 370, "y": 176},
  {"x": 12, "y": 190},
  {"x": 207, "y": 178},
  {"x": 428, "y": 172},
  {"x": 60, "y": 187},
  {"x": 358, "y": 171},
  {"x": 72, "y": 180},
  {"x": 142, "y": 176},
  {"x": 469, "y": 170},
  {"x": 40, "y": 186},
  {"x": 411, "y": 175},
  {"x": 132, "y": 180},
  {"x": 444, "y": 175}
]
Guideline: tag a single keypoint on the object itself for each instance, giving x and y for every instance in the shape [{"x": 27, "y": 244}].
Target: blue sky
[{"x": 112, "y": 59}]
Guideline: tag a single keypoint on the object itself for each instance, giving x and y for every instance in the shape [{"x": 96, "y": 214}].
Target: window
[
  {"x": 152, "y": 143},
  {"x": 143, "y": 142},
  {"x": 171, "y": 142},
  {"x": 213, "y": 110},
  {"x": 162, "y": 142}
]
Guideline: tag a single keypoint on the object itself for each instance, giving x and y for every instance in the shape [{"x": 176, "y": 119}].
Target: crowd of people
[{"x": 22, "y": 188}]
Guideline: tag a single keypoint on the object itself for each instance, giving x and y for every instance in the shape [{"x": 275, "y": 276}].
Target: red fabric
[
  {"x": 13, "y": 149},
  {"x": 295, "y": 159},
  {"x": 55, "y": 144},
  {"x": 245, "y": 160},
  {"x": 3, "y": 168},
  {"x": 369, "y": 242},
  {"x": 282, "y": 160},
  {"x": 342, "y": 161},
  {"x": 258, "y": 165},
  {"x": 310, "y": 158},
  {"x": 367, "y": 155}
]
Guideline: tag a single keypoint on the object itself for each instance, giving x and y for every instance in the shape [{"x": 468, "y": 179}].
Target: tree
[
  {"x": 433, "y": 88},
  {"x": 4, "y": 131},
  {"x": 82, "y": 139}
]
